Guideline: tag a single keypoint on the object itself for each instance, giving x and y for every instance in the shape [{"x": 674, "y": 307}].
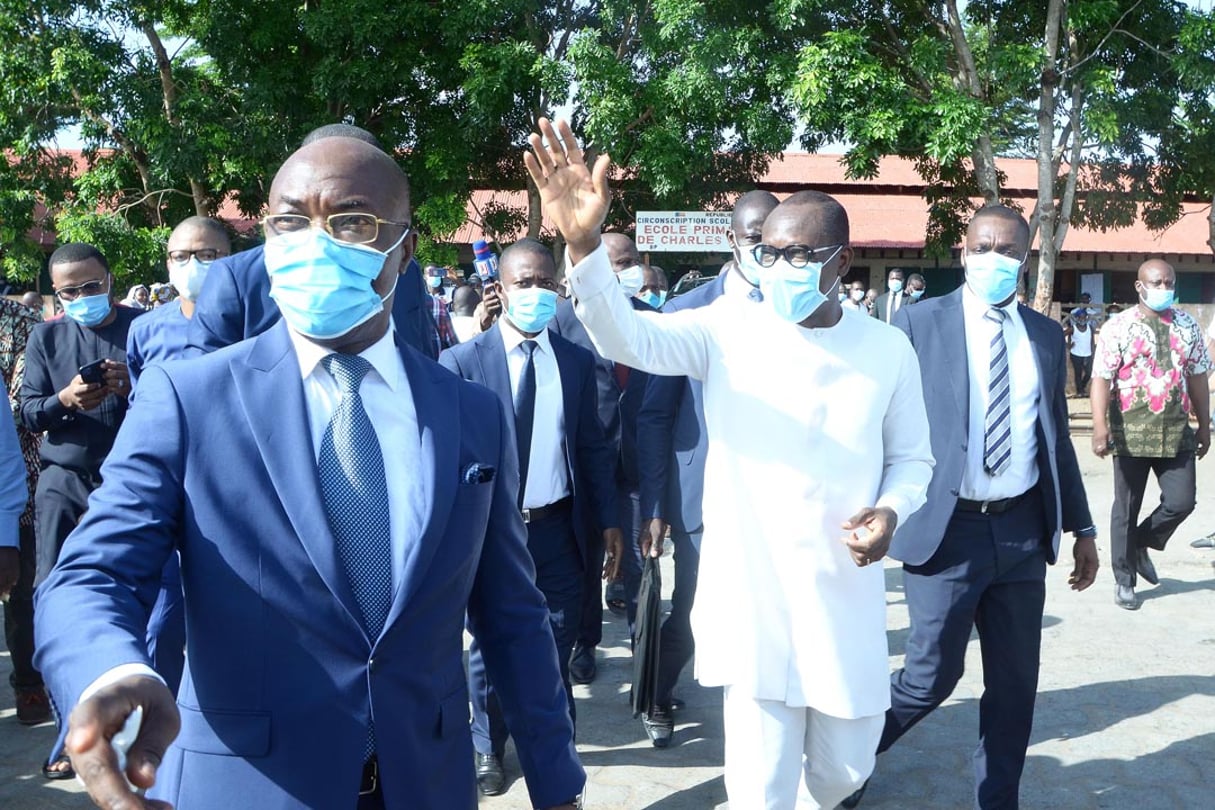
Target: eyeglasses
[
  {"x": 357, "y": 228},
  {"x": 796, "y": 255},
  {"x": 204, "y": 255},
  {"x": 89, "y": 288}
]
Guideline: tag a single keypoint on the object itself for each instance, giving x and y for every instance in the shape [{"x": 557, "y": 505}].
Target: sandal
[{"x": 61, "y": 768}]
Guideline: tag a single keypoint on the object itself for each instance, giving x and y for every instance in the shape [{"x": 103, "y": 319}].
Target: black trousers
[
  {"x": 1082, "y": 373},
  {"x": 989, "y": 574},
  {"x": 676, "y": 645},
  {"x": 60, "y": 501},
  {"x": 1177, "y": 494},
  {"x": 19, "y": 617}
]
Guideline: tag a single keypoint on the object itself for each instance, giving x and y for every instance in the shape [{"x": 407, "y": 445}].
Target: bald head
[
  {"x": 1154, "y": 268},
  {"x": 355, "y": 171},
  {"x": 751, "y": 205},
  {"x": 622, "y": 252}
]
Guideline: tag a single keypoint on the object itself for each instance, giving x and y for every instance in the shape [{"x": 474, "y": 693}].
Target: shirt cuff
[
  {"x": 593, "y": 275},
  {"x": 116, "y": 674}
]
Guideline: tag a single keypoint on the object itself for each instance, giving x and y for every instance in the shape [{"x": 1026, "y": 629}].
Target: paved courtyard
[{"x": 1125, "y": 717}]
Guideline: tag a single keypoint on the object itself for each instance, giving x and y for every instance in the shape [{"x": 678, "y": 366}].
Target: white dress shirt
[
  {"x": 388, "y": 401},
  {"x": 894, "y": 300},
  {"x": 547, "y": 476},
  {"x": 805, "y": 427},
  {"x": 1023, "y": 391}
]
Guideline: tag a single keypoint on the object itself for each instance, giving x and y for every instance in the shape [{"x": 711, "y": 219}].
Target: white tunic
[{"x": 805, "y": 428}]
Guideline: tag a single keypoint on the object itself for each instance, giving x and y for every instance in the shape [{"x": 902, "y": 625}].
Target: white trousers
[{"x": 782, "y": 757}]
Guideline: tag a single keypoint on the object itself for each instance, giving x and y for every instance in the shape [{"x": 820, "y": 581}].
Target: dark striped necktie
[{"x": 997, "y": 428}]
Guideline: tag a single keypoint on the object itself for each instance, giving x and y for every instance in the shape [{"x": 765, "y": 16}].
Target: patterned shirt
[
  {"x": 445, "y": 333},
  {"x": 1148, "y": 362},
  {"x": 16, "y": 321}
]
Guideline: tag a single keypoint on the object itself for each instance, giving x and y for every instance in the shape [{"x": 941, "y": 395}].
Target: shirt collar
[
  {"x": 976, "y": 306},
  {"x": 382, "y": 355},
  {"x": 512, "y": 337}
]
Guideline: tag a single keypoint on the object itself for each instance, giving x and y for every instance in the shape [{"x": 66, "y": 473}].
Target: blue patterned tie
[
  {"x": 997, "y": 428},
  {"x": 355, "y": 493}
]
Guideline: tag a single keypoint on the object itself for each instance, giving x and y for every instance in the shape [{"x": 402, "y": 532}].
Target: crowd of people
[{"x": 250, "y": 527}]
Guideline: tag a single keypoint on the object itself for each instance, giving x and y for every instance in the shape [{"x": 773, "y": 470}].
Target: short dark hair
[
  {"x": 834, "y": 217},
  {"x": 464, "y": 301},
  {"x": 74, "y": 252},
  {"x": 342, "y": 131},
  {"x": 1003, "y": 212},
  {"x": 533, "y": 246},
  {"x": 752, "y": 200},
  {"x": 214, "y": 226}
]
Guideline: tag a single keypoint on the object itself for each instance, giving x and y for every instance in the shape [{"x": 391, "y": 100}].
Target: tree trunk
[
  {"x": 967, "y": 79},
  {"x": 535, "y": 213},
  {"x": 168, "y": 99},
  {"x": 1211, "y": 220},
  {"x": 1047, "y": 214}
]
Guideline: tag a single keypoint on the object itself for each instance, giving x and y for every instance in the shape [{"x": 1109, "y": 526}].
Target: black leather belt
[
  {"x": 542, "y": 512},
  {"x": 989, "y": 507},
  {"x": 371, "y": 777}
]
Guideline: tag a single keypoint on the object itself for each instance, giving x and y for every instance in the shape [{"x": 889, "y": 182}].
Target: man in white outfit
[{"x": 818, "y": 447}]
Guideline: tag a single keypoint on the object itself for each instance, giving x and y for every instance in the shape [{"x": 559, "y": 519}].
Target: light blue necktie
[
  {"x": 355, "y": 493},
  {"x": 997, "y": 428}
]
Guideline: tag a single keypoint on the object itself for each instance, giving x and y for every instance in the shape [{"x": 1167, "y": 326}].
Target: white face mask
[
  {"x": 631, "y": 280},
  {"x": 187, "y": 277}
]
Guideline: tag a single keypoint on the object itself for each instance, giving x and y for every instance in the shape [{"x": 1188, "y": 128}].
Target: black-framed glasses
[
  {"x": 85, "y": 290},
  {"x": 204, "y": 255},
  {"x": 796, "y": 255},
  {"x": 356, "y": 228}
]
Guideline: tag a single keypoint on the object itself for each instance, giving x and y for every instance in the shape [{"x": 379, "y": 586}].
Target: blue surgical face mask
[
  {"x": 531, "y": 308},
  {"x": 91, "y": 310},
  {"x": 435, "y": 282},
  {"x": 992, "y": 276},
  {"x": 187, "y": 277},
  {"x": 631, "y": 280},
  {"x": 896, "y": 285},
  {"x": 793, "y": 291},
  {"x": 1158, "y": 300},
  {"x": 322, "y": 286},
  {"x": 748, "y": 266},
  {"x": 916, "y": 295},
  {"x": 654, "y": 299}
]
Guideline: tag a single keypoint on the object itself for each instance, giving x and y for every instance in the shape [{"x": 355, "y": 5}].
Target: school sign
[{"x": 683, "y": 231}]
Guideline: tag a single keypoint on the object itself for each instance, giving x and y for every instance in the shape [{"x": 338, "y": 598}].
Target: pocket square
[{"x": 477, "y": 473}]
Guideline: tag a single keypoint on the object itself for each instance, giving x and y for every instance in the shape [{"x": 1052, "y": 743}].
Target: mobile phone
[{"x": 93, "y": 372}]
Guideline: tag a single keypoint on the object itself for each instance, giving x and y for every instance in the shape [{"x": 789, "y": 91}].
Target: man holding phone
[{"x": 75, "y": 391}]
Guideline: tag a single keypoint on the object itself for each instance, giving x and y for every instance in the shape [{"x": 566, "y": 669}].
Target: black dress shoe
[
  {"x": 659, "y": 726},
  {"x": 1143, "y": 564},
  {"x": 491, "y": 780},
  {"x": 855, "y": 799},
  {"x": 1124, "y": 597},
  {"x": 582, "y": 665}
]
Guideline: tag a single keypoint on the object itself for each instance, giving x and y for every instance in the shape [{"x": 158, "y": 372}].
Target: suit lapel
[
  {"x": 1040, "y": 339},
  {"x": 567, "y": 372},
  {"x": 269, "y": 387},
  {"x": 436, "y": 404},
  {"x": 491, "y": 357},
  {"x": 953, "y": 329}
]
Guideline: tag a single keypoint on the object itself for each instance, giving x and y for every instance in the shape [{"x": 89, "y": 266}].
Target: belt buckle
[
  {"x": 527, "y": 516},
  {"x": 983, "y": 507},
  {"x": 374, "y": 766}
]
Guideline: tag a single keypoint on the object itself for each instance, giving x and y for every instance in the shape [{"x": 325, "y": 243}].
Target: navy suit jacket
[
  {"x": 671, "y": 435},
  {"x": 215, "y": 460},
  {"x": 618, "y": 407},
  {"x": 588, "y": 456},
  {"x": 936, "y": 329},
  {"x": 235, "y": 304}
]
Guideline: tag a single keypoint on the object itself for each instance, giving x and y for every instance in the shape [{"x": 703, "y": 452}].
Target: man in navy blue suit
[
  {"x": 671, "y": 443},
  {"x": 235, "y": 301},
  {"x": 1005, "y": 486},
  {"x": 565, "y": 466},
  {"x": 620, "y": 391},
  {"x": 341, "y": 504}
]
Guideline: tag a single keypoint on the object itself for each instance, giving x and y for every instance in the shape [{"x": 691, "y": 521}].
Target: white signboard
[{"x": 683, "y": 231}]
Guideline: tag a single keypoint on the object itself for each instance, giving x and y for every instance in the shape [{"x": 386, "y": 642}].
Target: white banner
[{"x": 683, "y": 231}]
